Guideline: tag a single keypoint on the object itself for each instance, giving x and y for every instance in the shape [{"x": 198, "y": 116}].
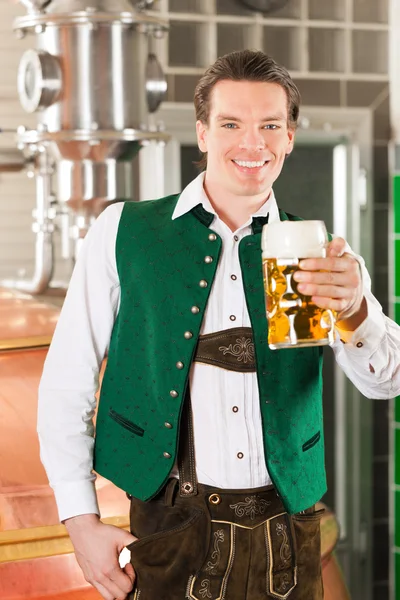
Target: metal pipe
[{"x": 43, "y": 227}]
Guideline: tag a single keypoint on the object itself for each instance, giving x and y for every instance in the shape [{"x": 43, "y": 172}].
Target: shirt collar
[{"x": 194, "y": 194}]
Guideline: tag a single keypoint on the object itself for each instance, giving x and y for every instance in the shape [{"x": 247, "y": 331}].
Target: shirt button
[
  {"x": 173, "y": 394},
  {"x": 203, "y": 283},
  {"x": 240, "y": 454},
  {"x": 232, "y": 318},
  {"x": 166, "y": 455},
  {"x": 195, "y": 310},
  {"x": 235, "y": 237},
  {"x": 235, "y": 409},
  {"x": 168, "y": 425},
  {"x": 212, "y": 237},
  {"x": 179, "y": 365},
  {"x": 233, "y": 277},
  {"x": 208, "y": 259},
  {"x": 188, "y": 335},
  {"x": 359, "y": 344}
]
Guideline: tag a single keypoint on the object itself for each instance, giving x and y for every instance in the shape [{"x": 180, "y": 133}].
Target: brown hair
[{"x": 244, "y": 65}]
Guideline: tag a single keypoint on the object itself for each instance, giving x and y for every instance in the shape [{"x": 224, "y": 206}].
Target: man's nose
[{"x": 252, "y": 140}]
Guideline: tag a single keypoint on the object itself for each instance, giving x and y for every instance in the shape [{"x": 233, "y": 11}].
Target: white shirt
[{"x": 70, "y": 379}]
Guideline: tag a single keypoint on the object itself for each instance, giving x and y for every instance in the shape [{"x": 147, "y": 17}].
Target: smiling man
[{"x": 217, "y": 440}]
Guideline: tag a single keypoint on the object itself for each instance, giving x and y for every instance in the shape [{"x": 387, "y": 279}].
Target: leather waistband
[{"x": 231, "y": 349}]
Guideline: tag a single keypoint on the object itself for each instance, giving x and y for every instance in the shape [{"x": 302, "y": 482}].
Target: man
[{"x": 161, "y": 287}]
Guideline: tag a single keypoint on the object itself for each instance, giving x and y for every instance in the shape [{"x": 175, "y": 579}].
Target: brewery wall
[{"x": 337, "y": 52}]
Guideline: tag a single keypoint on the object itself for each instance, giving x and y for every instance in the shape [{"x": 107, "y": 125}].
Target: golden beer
[{"x": 293, "y": 319}]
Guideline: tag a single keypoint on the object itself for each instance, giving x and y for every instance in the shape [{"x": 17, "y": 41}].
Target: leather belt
[{"x": 231, "y": 349}]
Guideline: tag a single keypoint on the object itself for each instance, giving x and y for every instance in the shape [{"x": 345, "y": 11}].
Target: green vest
[{"x": 163, "y": 275}]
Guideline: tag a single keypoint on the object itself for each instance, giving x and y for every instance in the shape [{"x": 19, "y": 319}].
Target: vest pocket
[
  {"x": 312, "y": 441},
  {"x": 124, "y": 422}
]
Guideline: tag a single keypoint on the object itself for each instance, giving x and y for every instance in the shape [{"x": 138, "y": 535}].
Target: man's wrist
[
  {"x": 354, "y": 321},
  {"x": 81, "y": 521}
]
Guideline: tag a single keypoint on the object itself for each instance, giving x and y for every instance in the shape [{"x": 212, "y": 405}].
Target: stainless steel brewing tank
[{"x": 93, "y": 83}]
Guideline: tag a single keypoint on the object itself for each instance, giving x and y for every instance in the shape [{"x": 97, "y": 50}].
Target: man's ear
[
  {"x": 291, "y": 136},
  {"x": 201, "y": 130}
]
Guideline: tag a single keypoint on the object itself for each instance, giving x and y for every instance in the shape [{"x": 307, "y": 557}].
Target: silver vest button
[
  {"x": 208, "y": 259},
  {"x": 168, "y": 425},
  {"x": 188, "y": 335},
  {"x": 203, "y": 283},
  {"x": 166, "y": 455},
  {"x": 173, "y": 394},
  {"x": 195, "y": 310},
  {"x": 212, "y": 237},
  {"x": 179, "y": 365}
]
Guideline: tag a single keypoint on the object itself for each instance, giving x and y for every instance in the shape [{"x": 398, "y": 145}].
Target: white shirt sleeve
[
  {"x": 71, "y": 372},
  {"x": 370, "y": 355}
]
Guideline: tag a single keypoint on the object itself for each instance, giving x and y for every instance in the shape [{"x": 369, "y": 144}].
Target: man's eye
[
  {"x": 271, "y": 126},
  {"x": 229, "y": 125}
]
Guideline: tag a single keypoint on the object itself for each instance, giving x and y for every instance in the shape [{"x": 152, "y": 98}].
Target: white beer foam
[{"x": 294, "y": 239}]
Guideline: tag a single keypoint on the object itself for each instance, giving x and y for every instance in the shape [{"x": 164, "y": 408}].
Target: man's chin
[{"x": 251, "y": 188}]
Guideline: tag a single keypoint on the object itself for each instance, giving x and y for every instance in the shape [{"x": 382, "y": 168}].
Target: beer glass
[{"x": 293, "y": 319}]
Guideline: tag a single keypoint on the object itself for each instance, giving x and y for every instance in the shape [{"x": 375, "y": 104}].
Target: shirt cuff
[
  {"x": 366, "y": 339},
  {"x": 76, "y": 498}
]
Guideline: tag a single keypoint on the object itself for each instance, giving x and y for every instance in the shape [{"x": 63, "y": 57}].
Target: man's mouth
[{"x": 251, "y": 164}]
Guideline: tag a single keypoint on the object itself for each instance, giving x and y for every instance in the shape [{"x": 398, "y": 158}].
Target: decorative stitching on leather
[
  {"x": 273, "y": 590},
  {"x": 251, "y": 507},
  {"x": 230, "y": 562},
  {"x": 243, "y": 350},
  {"x": 204, "y": 590},
  {"x": 284, "y": 550},
  {"x": 211, "y": 567}
]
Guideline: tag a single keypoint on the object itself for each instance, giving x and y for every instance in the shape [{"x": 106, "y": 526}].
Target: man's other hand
[{"x": 97, "y": 549}]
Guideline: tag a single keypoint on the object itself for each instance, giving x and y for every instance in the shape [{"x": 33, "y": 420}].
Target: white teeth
[{"x": 248, "y": 164}]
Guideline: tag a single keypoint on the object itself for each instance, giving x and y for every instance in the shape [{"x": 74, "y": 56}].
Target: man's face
[{"x": 247, "y": 136}]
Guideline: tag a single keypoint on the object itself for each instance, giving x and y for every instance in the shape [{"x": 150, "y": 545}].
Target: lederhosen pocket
[
  {"x": 169, "y": 546},
  {"x": 307, "y": 534}
]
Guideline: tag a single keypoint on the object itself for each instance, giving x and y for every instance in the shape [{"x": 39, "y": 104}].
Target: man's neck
[{"x": 233, "y": 210}]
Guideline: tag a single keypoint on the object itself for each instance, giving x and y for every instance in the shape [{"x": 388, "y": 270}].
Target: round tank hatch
[{"x": 39, "y": 80}]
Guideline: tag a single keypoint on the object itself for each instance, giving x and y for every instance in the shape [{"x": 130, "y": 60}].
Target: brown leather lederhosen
[{"x": 204, "y": 543}]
